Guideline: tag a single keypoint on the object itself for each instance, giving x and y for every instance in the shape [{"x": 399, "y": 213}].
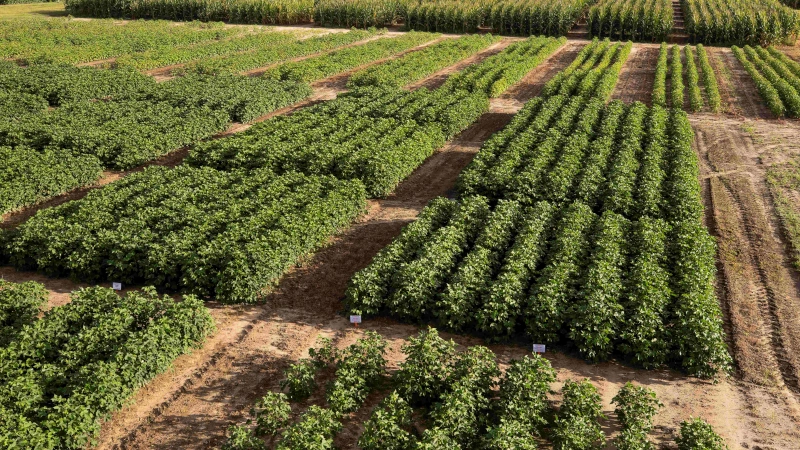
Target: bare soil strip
[
  {"x": 637, "y": 76},
  {"x": 742, "y": 92},
  {"x": 757, "y": 284}
]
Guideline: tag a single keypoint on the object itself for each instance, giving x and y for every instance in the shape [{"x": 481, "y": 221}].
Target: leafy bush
[
  {"x": 314, "y": 431},
  {"x": 242, "y": 438},
  {"x": 428, "y": 366},
  {"x": 19, "y": 306},
  {"x": 576, "y": 427},
  {"x": 358, "y": 369},
  {"x": 696, "y": 433},
  {"x": 271, "y": 413},
  {"x": 386, "y": 428},
  {"x": 523, "y": 391},
  {"x": 462, "y": 410},
  {"x": 300, "y": 379},
  {"x": 635, "y": 409}
]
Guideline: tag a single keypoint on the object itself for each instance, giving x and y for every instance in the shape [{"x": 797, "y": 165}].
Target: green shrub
[
  {"x": 242, "y": 438},
  {"x": 271, "y": 413},
  {"x": 314, "y": 431},
  {"x": 386, "y": 428},
  {"x": 300, "y": 379},
  {"x": 429, "y": 363},
  {"x": 697, "y": 434}
]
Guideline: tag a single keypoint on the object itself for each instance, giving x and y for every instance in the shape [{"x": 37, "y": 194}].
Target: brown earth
[{"x": 637, "y": 76}]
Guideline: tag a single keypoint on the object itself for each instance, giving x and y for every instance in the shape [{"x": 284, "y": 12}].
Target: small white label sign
[
  {"x": 355, "y": 319},
  {"x": 116, "y": 286},
  {"x": 538, "y": 348}
]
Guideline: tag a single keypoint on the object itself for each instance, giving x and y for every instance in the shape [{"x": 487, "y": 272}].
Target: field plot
[{"x": 632, "y": 206}]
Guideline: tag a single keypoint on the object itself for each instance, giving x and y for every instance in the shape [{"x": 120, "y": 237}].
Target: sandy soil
[{"x": 637, "y": 76}]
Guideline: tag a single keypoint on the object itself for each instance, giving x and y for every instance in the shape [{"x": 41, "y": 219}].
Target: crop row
[
  {"x": 215, "y": 234},
  {"x": 420, "y": 64},
  {"x": 757, "y": 22},
  {"x": 697, "y": 68},
  {"x": 227, "y": 45},
  {"x": 376, "y": 135},
  {"x": 776, "y": 77},
  {"x": 467, "y": 402},
  {"x": 613, "y": 172},
  {"x": 373, "y": 135},
  {"x": 46, "y": 153},
  {"x": 72, "y": 41},
  {"x": 274, "y": 12},
  {"x": 516, "y": 17},
  {"x": 64, "y": 372},
  {"x": 603, "y": 284},
  {"x": 271, "y": 54},
  {"x": 499, "y": 72},
  {"x": 641, "y": 20},
  {"x": 338, "y": 61}
]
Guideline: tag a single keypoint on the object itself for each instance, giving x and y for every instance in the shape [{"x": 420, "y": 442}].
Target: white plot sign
[
  {"x": 355, "y": 319},
  {"x": 116, "y": 286},
  {"x": 538, "y": 348}
]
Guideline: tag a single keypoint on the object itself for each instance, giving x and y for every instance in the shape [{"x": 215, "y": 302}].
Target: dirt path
[
  {"x": 758, "y": 286},
  {"x": 637, "y": 76},
  {"x": 736, "y": 86}
]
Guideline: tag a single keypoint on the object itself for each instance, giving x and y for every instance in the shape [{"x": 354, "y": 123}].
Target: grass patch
[
  {"x": 32, "y": 10},
  {"x": 782, "y": 178}
]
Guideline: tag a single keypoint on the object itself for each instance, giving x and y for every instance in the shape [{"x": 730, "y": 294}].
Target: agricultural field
[{"x": 347, "y": 224}]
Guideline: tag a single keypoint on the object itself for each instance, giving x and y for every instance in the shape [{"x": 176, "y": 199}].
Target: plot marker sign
[
  {"x": 538, "y": 348},
  {"x": 116, "y": 286},
  {"x": 355, "y": 320}
]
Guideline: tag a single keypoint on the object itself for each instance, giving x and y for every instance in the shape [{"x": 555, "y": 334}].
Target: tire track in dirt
[
  {"x": 734, "y": 194},
  {"x": 748, "y": 292},
  {"x": 637, "y": 76}
]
